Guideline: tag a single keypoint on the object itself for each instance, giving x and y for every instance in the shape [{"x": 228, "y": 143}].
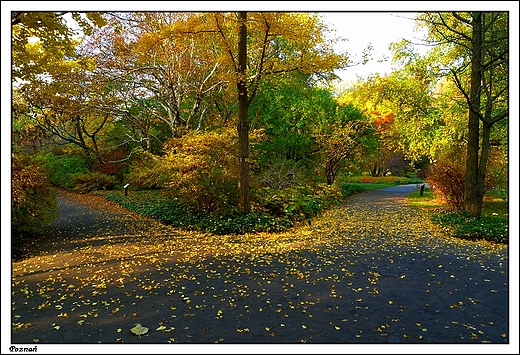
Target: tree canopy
[{"x": 126, "y": 91}]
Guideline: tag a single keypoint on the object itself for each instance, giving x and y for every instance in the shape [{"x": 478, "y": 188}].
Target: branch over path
[{"x": 373, "y": 270}]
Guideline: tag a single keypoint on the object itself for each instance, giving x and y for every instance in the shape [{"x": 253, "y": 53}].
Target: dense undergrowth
[
  {"x": 156, "y": 205},
  {"x": 493, "y": 225},
  {"x": 285, "y": 208}
]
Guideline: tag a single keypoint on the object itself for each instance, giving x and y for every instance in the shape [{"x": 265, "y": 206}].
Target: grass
[
  {"x": 493, "y": 225},
  {"x": 374, "y": 180},
  {"x": 363, "y": 186}
]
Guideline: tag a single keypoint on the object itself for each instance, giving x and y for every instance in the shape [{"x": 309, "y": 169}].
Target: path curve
[{"x": 370, "y": 271}]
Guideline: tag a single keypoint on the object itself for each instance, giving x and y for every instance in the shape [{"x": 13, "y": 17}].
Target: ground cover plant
[
  {"x": 156, "y": 205},
  {"x": 493, "y": 225},
  {"x": 276, "y": 210}
]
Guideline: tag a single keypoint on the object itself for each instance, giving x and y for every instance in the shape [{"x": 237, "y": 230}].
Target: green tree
[
  {"x": 476, "y": 56},
  {"x": 259, "y": 44},
  {"x": 288, "y": 109},
  {"x": 308, "y": 130}
]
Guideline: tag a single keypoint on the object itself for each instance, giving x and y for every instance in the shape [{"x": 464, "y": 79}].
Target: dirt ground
[{"x": 372, "y": 271}]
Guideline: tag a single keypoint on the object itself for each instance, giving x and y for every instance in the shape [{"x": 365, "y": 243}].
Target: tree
[
  {"x": 278, "y": 43},
  {"x": 346, "y": 133},
  {"x": 406, "y": 97},
  {"x": 164, "y": 77},
  {"x": 53, "y": 33},
  {"x": 243, "y": 125},
  {"x": 477, "y": 58},
  {"x": 67, "y": 103},
  {"x": 52, "y": 82}
]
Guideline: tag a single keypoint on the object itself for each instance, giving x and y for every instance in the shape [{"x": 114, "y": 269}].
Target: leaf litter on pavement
[{"x": 357, "y": 274}]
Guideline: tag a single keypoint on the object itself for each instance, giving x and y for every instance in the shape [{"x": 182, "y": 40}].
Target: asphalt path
[{"x": 372, "y": 271}]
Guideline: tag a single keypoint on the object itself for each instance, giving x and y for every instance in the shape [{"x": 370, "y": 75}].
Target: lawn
[{"x": 493, "y": 225}]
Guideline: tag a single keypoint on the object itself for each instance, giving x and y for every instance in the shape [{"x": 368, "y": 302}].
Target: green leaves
[{"x": 469, "y": 227}]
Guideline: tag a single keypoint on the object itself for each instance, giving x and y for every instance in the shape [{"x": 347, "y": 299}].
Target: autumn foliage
[
  {"x": 33, "y": 198},
  {"x": 447, "y": 178},
  {"x": 199, "y": 169}
]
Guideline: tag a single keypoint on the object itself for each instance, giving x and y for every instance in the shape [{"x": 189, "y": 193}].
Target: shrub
[
  {"x": 62, "y": 168},
  {"x": 447, "y": 178},
  {"x": 91, "y": 181},
  {"x": 377, "y": 179},
  {"x": 466, "y": 226},
  {"x": 280, "y": 174},
  {"x": 33, "y": 203},
  {"x": 113, "y": 162},
  {"x": 199, "y": 169},
  {"x": 158, "y": 206},
  {"x": 350, "y": 189},
  {"x": 203, "y": 170},
  {"x": 298, "y": 202},
  {"x": 145, "y": 172}
]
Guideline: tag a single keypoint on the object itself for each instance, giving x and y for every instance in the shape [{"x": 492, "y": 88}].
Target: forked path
[{"x": 370, "y": 271}]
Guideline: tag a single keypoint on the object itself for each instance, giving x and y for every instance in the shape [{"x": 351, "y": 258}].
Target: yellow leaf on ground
[{"x": 139, "y": 329}]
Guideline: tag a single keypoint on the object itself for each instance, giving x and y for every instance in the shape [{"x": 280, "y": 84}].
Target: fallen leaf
[{"x": 139, "y": 330}]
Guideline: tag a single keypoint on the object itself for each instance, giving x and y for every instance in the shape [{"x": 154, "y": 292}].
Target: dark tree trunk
[
  {"x": 244, "y": 202},
  {"x": 474, "y": 181}
]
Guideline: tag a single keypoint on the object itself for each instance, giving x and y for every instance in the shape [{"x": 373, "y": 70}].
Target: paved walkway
[{"x": 371, "y": 271}]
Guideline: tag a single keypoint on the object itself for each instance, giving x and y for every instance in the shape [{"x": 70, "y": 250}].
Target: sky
[{"x": 378, "y": 29}]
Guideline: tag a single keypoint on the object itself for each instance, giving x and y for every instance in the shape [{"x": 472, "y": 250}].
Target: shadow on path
[{"x": 369, "y": 272}]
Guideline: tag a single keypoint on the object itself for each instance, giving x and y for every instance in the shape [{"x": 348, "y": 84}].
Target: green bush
[
  {"x": 199, "y": 169},
  {"x": 91, "y": 181},
  {"x": 348, "y": 189},
  {"x": 33, "y": 203},
  {"x": 159, "y": 206},
  {"x": 466, "y": 226},
  {"x": 298, "y": 203},
  {"x": 389, "y": 180},
  {"x": 62, "y": 168},
  {"x": 240, "y": 223},
  {"x": 351, "y": 188}
]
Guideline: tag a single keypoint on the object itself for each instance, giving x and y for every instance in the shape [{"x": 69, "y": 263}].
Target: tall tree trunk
[
  {"x": 81, "y": 142},
  {"x": 474, "y": 183},
  {"x": 244, "y": 202}
]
